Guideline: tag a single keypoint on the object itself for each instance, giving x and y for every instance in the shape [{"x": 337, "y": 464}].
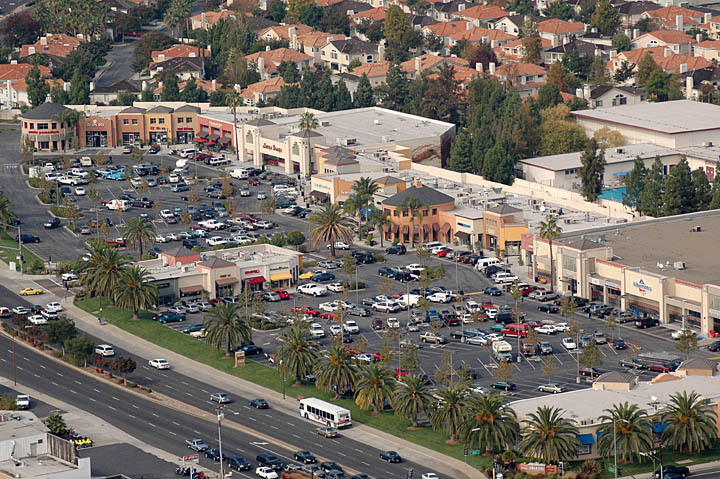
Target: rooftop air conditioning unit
[
  {"x": 324, "y": 123},
  {"x": 620, "y": 150},
  {"x": 377, "y": 122},
  {"x": 679, "y": 265},
  {"x": 696, "y": 229}
]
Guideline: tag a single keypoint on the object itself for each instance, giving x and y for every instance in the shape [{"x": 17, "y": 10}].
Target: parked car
[
  {"x": 196, "y": 445},
  {"x": 646, "y": 323},
  {"x": 551, "y": 388},
  {"x": 398, "y": 249},
  {"x": 504, "y": 385}
]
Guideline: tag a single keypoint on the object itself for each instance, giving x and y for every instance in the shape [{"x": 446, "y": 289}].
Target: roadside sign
[
  {"x": 475, "y": 452},
  {"x": 191, "y": 459}
]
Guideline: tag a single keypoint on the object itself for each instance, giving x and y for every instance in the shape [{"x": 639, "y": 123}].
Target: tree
[
  {"x": 489, "y": 424},
  {"x": 481, "y": 53},
  {"x": 412, "y": 398},
  {"x": 147, "y": 95},
  {"x": 691, "y": 423},
  {"x": 549, "y": 230},
  {"x": 126, "y": 98},
  {"x": 549, "y": 95},
  {"x": 364, "y": 95},
  {"x": 170, "y": 89},
  {"x": 592, "y": 172},
  {"x": 703, "y": 190},
  {"x": 149, "y": 42},
  {"x": 191, "y": 93},
  {"x": 687, "y": 343},
  {"x": 308, "y": 121},
  {"x": 298, "y": 353},
  {"x": 37, "y": 88},
  {"x": 621, "y": 42},
  {"x": 559, "y": 134},
  {"x": 8, "y": 403},
  {"x": 136, "y": 291},
  {"x": 330, "y": 225},
  {"x": 531, "y": 43},
  {"x": 295, "y": 238},
  {"x": 607, "y": 138},
  {"x": 337, "y": 372},
  {"x": 297, "y": 9},
  {"x": 238, "y": 72},
  {"x": 659, "y": 86},
  {"x": 374, "y": 387},
  {"x": 449, "y": 413},
  {"x": 58, "y": 331},
  {"x": 397, "y": 26},
  {"x": 650, "y": 199},
  {"x": 277, "y": 11},
  {"x": 605, "y": 17},
  {"x": 549, "y": 368},
  {"x": 343, "y": 99},
  {"x": 102, "y": 274},
  {"x": 139, "y": 232},
  {"x": 177, "y": 14},
  {"x": 79, "y": 90},
  {"x": 557, "y": 75},
  {"x": 598, "y": 72},
  {"x": 624, "y": 72},
  {"x": 59, "y": 95},
  {"x": 590, "y": 355},
  {"x": 548, "y": 436},
  {"x": 56, "y": 424},
  {"x": 20, "y": 29},
  {"x": 394, "y": 93},
  {"x": 645, "y": 66},
  {"x": 79, "y": 347},
  {"x": 499, "y": 165},
  {"x": 633, "y": 431},
  {"x": 461, "y": 153},
  {"x": 123, "y": 365},
  {"x": 679, "y": 190}
]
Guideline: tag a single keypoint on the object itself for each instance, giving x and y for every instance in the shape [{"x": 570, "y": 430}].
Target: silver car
[{"x": 221, "y": 398}]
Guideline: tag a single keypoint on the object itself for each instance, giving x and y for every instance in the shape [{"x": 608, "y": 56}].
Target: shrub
[
  {"x": 378, "y": 258},
  {"x": 57, "y": 353}
]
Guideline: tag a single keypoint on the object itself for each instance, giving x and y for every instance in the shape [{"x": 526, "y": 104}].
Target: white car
[
  {"x": 167, "y": 214},
  {"x": 216, "y": 241},
  {"x": 678, "y": 334},
  {"x": 173, "y": 178},
  {"x": 386, "y": 307},
  {"x": 335, "y": 329},
  {"x": 503, "y": 277},
  {"x": 159, "y": 363},
  {"x": 54, "y": 307},
  {"x": 393, "y": 323},
  {"x": 335, "y": 287},
  {"x": 546, "y": 329},
  {"x": 266, "y": 225},
  {"x": 351, "y": 327},
  {"x": 491, "y": 313},
  {"x": 37, "y": 320},
  {"x": 561, "y": 327},
  {"x": 312, "y": 289},
  {"x": 105, "y": 350},
  {"x": 430, "y": 475},
  {"x": 440, "y": 297},
  {"x": 569, "y": 343},
  {"x": 495, "y": 337},
  {"x": 20, "y": 310},
  {"x": 136, "y": 182},
  {"x": 328, "y": 307},
  {"x": 69, "y": 277},
  {"x": 472, "y": 306},
  {"x": 340, "y": 245},
  {"x": 317, "y": 331},
  {"x": 415, "y": 268},
  {"x": 365, "y": 357},
  {"x": 80, "y": 191},
  {"x": 477, "y": 340},
  {"x": 266, "y": 473}
]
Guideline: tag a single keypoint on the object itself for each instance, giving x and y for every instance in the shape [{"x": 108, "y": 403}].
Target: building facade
[{"x": 41, "y": 127}]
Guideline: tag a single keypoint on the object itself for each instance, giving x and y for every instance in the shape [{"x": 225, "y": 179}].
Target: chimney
[
  {"x": 461, "y": 7},
  {"x": 628, "y": 33},
  {"x": 593, "y": 30},
  {"x": 160, "y": 85},
  {"x": 92, "y": 85},
  {"x": 683, "y": 68},
  {"x": 635, "y": 34},
  {"x": 418, "y": 66},
  {"x": 494, "y": 44},
  {"x": 579, "y": 93},
  {"x": 491, "y": 68},
  {"x": 144, "y": 85},
  {"x": 381, "y": 53},
  {"x": 261, "y": 67},
  {"x": 679, "y": 22},
  {"x": 293, "y": 41},
  {"x": 214, "y": 84},
  {"x": 13, "y": 62},
  {"x": 161, "y": 57},
  {"x": 202, "y": 20},
  {"x": 192, "y": 55},
  {"x": 267, "y": 48},
  {"x": 486, "y": 40},
  {"x": 707, "y": 17},
  {"x": 668, "y": 52},
  {"x": 292, "y": 31},
  {"x": 43, "y": 40},
  {"x": 554, "y": 41},
  {"x": 699, "y": 37},
  {"x": 689, "y": 87},
  {"x": 586, "y": 92},
  {"x": 66, "y": 86},
  {"x": 31, "y": 50},
  {"x": 479, "y": 67},
  {"x": 469, "y": 26}
]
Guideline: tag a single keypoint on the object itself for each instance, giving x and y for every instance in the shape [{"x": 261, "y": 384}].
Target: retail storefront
[
  {"x": 185, "y": 135},
  {"x": 225, "y": 287},
  {"x": 132, "y": 138}
]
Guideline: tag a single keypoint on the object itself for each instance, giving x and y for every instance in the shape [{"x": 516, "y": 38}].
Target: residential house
[
  {"x": 631, "y": 12},
  {"x": 632, "y": 57},
  {"x": 446, "y": 11},
  {"x": 699, "y": 84},
  {"x": 677, "y": 41},
  {"x": 512, "y": 24},
  {"x": 604, "y": 96},
  {"x": 263, "y": 90},
  {"x": 18, "y": 71},
  {"x": 418, "y": 22},
  {"x": 205, "y": 20},
  {"x": 559, "y": 31},
  {"x": 311, "y": 43},
  {"x": 376, "y": 72},
  {"x": 708, "y": 49},
  {"x": 373, "y": 15},
  {"x": 674, "y": 17},
  {"x": 177, "y": 51},
  {"x": 490, "y": 36},
  {"x": 713, "y": 27},
  {"x": 514, "y": 51},
  {"x": 427, "y": 62},
  {"x": 584, "y": 49},
  {"x": 104, "y": 94},
  {"x": 55, "y": 46},
  {"x": 446, "y": 30},
  {"x": 338, "y": 54},
  {"x": 664, "y": 57},
  {"x": 267, "y": 62},
  {"x": 481, "y": 15},
  {"x": 283, "y": 32},
  {"x": 13, "y": 93},
  {"x": 526, "y": 78},
  {"x": 184, "y": 68},
  {"x": 208, "y": 85}
]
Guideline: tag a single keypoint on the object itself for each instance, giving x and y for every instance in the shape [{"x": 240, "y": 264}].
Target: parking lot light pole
[
  {"x": 220, "y": 417},
  {"x": 282, "y": 370}
]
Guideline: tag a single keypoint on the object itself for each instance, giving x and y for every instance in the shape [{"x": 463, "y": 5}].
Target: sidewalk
[{"x": 434, "y": 461}]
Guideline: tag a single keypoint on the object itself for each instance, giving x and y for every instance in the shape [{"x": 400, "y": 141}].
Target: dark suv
[
  {"x": 238, "y": 463},
  {"x": 396, "y": 249},
  {"x": 646, "y": 323},
  {"x": 305, "y": 457},
  {"x": 269, "y": 460}
]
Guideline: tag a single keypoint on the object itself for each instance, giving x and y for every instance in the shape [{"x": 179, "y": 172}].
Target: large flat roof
[
  {"x": 670, "y": 117},
  {"x": 15, "y": 424},
  {"x": 591, "y": 404},
  {"x": 622, "y": 154},
  {"x": 646, "y": 244}
]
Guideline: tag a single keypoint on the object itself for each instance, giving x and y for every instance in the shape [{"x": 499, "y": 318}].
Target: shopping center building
[
  {"x": 665, "y": 267},
  {"x": 183, "y": 274}
]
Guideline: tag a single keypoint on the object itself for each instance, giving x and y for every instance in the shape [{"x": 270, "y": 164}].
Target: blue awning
[
  {"x": 586, "y": 439},
  {"x": 621, "y": 173},
  {"x": 659, "y": 427}
]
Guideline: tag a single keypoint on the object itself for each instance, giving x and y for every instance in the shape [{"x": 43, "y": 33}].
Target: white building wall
[{"x": 20, "y": 447}]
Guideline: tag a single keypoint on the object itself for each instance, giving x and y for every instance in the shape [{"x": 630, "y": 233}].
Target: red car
[
  {"x": 443, "y": 252},
  {"x": 249, "y": 218},
  {"x": 305, "y": 310},
  {"x": 198, "y": 228},
  {"x": 254, "y": 181},
  {"x": 350, "y": 350},
  {"x": 133, "y": 34},
  {"x": 377, "y": 324},
  {"x": 201, "y": 157},
  {"x": 326, "y": 316},
  {"x": 377, "y": 356},
  {"x": 658, "y": 368},
  {"x": 283, "y": 294},
  {"x": 487, "y": 304},
  {"x": 120, "y": 243},
  {"x": 395, "y": 295},
  {"x": 400, "y": 372}
]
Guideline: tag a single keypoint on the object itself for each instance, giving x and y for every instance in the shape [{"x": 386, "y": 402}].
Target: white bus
[{"x": 325, "y": 413}]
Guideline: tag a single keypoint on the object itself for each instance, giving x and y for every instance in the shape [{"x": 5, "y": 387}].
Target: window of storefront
[
  {"x": 614, "y": 295},
  {"x": 582, "y": 450},
  {"x": 395, "y": 212},
  {"x": 570, "y": 263},
  {"x": 188, "y": 119},
  {"x": 434, "y": 211},
  {"x": 425, "y": 212},
  {"x": 512, "y": 247},
  {"x": 405, "y": 213},
  {"x": 181, "y": 120},
  {"x": 153, "y": 121},
  {"x": 96, "y": 139},
  {"x": 126, "y": 122},
  {"x": 54, "y": 126},
  {"x": 134, "y": 122},
  {"x": 714, "y": 301},
  {"x": 32, "y": 126},
  {"x": 130, "y": 138},
  {"x": 249, "y": 138},
  {"x": 295, "y": 149},
  {"x": 42, "y": 126},
  {"x": 161, "y": 121},
  {"x": 596, "y": 293}
]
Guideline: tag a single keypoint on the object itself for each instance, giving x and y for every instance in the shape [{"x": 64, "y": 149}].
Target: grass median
[
  {"x": 9, "y": 250},
  {"x": 266, "y": 376}
]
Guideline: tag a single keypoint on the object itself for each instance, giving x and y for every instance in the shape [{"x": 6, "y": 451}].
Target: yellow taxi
[{"x": 30, "y": 291}]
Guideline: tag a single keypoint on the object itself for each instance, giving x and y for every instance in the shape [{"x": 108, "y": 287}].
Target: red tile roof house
[
  {"x": 268, "y": 61},
  {"x": 677, "y": 41},
  {"x": 526, "y": 78},
  {"x": 177, "y": 51},
  {"x": 560, "y": 32},
  {"x": 57, "y": 46}
]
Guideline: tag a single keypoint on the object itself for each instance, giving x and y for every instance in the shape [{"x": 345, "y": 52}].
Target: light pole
[
  {"x": 220, "y": 417},
  {"x": 282, "y": 370}
]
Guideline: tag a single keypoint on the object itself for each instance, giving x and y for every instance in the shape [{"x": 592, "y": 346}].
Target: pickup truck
[
  {"x": 196, "y": 444},
  {"x": 22, "y": 401}
]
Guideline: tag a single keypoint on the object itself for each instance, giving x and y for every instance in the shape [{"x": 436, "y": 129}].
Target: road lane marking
[
  {"x": 60, "y": 374},
  {"x": 151, "y": 424},
  {"x": 37, "y": 376},
  {"x": 112, "y": 408},
  {"x": 155, "y": 415},
  {"x": 358, "y": 450},
  {"x": 92, "y": 399},
  {"x": 206, "y": 392},
  {"x": 21, "y": 369},
  {"x": 115, "y": 398},
  {"x": 186, "y": 384},
  {"x": 96, "y": 390},
  {"x": 172, "y": 433},
  {"x": 176, "y": 423},
  {"x": 74, "y": 392},
  {"x": 3, "y": 360},
  {"x": 78, "y": 382},
  {"x": 130, "y": 415},
  {"x": 341, "y": 454},
  {"x": 274, "y": 427},
  {"x": 42, "y": 366},
  {"x": 252, "y": 418},
  {"x": 54, "y": 383},
  {"x": 135, "y": 406}
]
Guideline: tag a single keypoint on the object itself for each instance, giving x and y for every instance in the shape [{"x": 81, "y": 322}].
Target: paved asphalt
[
  {"x": 133, "y": 462},
  {"x": 118, "y": 66},
  {"x": 168, "y": 428}
]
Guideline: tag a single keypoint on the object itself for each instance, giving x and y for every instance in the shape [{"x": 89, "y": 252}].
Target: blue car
[{"x": 320, "y": 277}]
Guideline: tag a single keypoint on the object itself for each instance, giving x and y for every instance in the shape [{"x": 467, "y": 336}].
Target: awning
[
  {"x": 191, "y": 289},
  {"x": 199, "y": 140},
  {"x": 395, "y": 229},
  {"x": 445, "y": 228},
  {"x": 405, "y": 229},
  {"x": 586, "y": 439},
  {"x": 462, "y": 235},
  {"x": 214, "y": 137},
  {"x": 202, "y": 134},
  {"x": 280, "y": 276},
  {"x": 659, "y": 427},
  {"x": 226, "y": 281},
  {"x": 255, "y": 280},
  {"x": 319, "y": 195},
  {"x": 436, "y": 227},
  {"x": 427, "y": 228},
  {"x": 225, "y": 140},
  {"x": 210, "y": 143},
  {"x": 621, "y": 173}
]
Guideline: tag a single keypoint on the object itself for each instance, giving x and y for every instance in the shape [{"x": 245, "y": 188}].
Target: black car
[
  {"x": 363, "y": 257},
  {"x": 387, "y": 272},
  {"x": 251, "y": 350},
  {"x": 328, "y": 466},
  {"x": 403, "y": 277},
  {"x": 714, "y": 346},
  {"x": 492, "y": 291},
  {"x": 259, "y": 404},
  {"x": 397, "y": 249},
  {"x": 214, "y": 454},
  {"x": 646, "y": 323},
  {"x": 190, "y": 243},
  {"x": 548, "y": 308},
  {"x": 320, "y": 277},
  {"x": 238, "y": 463},
  {"x": 305, "y": 457},
  {"x": 52, "y": 223},
  {"x": 672, "y": 471},
  {"x": 154, "y": 149},
  {"x": 390, "y": 456},
  {"x": 269, "y": 460},
  {"x": 26, "y": 238},
  {"x": 619, "y": 344}
]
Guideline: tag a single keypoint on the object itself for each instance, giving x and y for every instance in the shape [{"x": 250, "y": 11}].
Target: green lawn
[
  {"x": 669, "y": 457},
  {"x": 266, "y": 376},
  {"x": 9, "y": 250}
]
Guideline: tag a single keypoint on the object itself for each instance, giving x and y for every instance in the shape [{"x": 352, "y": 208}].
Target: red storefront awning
[
  {"x": 255, "y": 280},
  {"x": 199, "y": 140},
  {"x": 210, "y": 143}
]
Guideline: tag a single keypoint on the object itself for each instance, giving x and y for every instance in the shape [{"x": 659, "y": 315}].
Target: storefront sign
[
  {"x": 644, "y": 288},
  {"x": 185, "y": 129},
  {"x": 569, "y": 274},
  {"x": 714, "y": 314},
  {"x": 275, "y": 268},
  {"x": 595, "y": 281},
  {"x": 43, "y": 132},
  {"x": 94, "y": 124},
  {"x": 272, "y": 148},
  {"x": 252, "y": 271},
  {"x": 158, "y": 128},
  {"x": 215, "y": 124}
]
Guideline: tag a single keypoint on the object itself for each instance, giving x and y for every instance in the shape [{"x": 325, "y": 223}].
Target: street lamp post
[
  {"x": 220, "y": 417},
  {"x": 282, "y": 370}
]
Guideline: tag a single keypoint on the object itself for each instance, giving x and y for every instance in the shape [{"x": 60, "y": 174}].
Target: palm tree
[
  {"x": 450, "y": 410},
  {"x": 135, "y": 290},
  {"x": 549, "y": 436},
  {"x": 234, "y": 101},
  {"x": 550, "y": 230},
  {"x": 6, "y": 214},
  {"x": 374, "y": 388},
  {"x": 331, "y": 224},
  {"x": 308, "y": 121},
  {"x": 489, "y": 424},
  {"x": 633, "y": 431},
  {"x": 103, "y": 273},
  {"x": 354, "y": 205},
  {"x": 413, "y": 208},
  {"x": 412, "y": 398},
  {"x": 298, "y": 353},
  {"x": 365, "y": 188},
  {"x": 381, "y": 219},
  {"x": 226, "y": 328},
  {"x": 138, "y": 232},
  {"x": 337, "y": 372},
  {"x": 691, "y": 422}
]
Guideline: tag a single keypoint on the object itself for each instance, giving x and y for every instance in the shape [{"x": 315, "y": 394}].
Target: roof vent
[
  {"x": 620, "y": 150},
  {"x": 679, "y": 265},
  {"x": 696, "y": 229}
]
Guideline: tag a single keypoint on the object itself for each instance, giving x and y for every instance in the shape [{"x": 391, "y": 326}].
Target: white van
[
  {"x": 188, "y": 152},
  {"x": 483, "y": 263},
  {"x": 118, "y": 205},
  {"x": 433, "y": 244},
  {"x": 181, "y": 163},
  {"x": 240, "y": 173},
  {"x": 86, "y": 161}
]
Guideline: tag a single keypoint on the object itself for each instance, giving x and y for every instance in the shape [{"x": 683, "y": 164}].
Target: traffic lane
[
  {"x": 150, "y": 422},
  {"x": 40, "y": 408}
]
